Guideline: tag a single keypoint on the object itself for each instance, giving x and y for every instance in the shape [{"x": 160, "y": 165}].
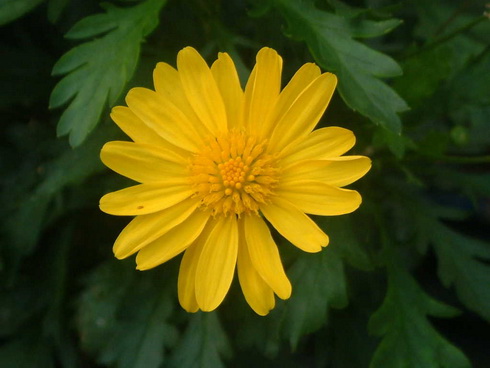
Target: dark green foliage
[
  {"x": 461, "y": 260},
  {"x": 403, "y": 277},
  {"x": 203, "y": 345},
  {"x": 10, "y": 10},
  {"x": 123, "y": 317},
  {"x": 461, "y": 264},
  {"x": 56, "y": 8},
  {"x": 29, "y": 352},
  {"x": 98, "y": 70},
  {"x": 331, "y": 40},
  {"x": 30, "y": 208},
  {"x": 408, "y": 338},
  {"x": 320, "y": 285}
]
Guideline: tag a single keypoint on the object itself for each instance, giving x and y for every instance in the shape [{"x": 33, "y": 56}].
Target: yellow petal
[
  {"x": 338, "y": 172},
  {"x": 257, "y": 293},
  {"x": 167, "y": 83},
  {"x": 217, "y": 264},
  {"x": 161, "y": 115},
  {"x": 174, "y": 242},
  {"x": 265, "y": 255},
  {"x": 134, "y": 127},
  {"x": 294, "y": 225},
  {"x": 166, "y": 80},
  {"x": 186, "y": 284},
  {"x": 262, "y": 91},
  {"x": 305, "y": 112},
  {"x": 187, "y": 271},
  {"x": 144, "y": 229},
  {"x": 301, "y": 79},
  {"x": 319, "y": 198},
  {"x": 142, "y": 162},
  {"x": 201, "y": 90},
  {"x": 145, "y": 198},
  {"x": 226, "y": 77},
  {"x": 321, "y": 144}
]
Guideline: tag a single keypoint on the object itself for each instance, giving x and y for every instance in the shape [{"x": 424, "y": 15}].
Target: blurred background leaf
[
  {"x": 123, "y": 317},
  {"x": 10, "y": 10},
  {"x": 321, "y": 285},
  {"x": 203, "y": 345}
]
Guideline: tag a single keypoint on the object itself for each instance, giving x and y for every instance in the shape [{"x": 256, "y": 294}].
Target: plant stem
[{"x": 441, "y": 40}]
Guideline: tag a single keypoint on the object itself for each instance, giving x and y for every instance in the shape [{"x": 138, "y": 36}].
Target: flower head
[{"x": 216, "y": 164}]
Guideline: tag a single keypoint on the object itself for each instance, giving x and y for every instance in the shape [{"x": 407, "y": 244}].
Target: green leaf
[
  {"x": 349, "y": 11},
  {"x": 397, "y": 143},
  {"x": 409, "y": 340},
  {"x": 97, "y": 70},
  {"x": 470, "y": 86},
  {"x": 123, "y": 317},
  {"x": 423, "y": 74},
  {"x": 142, "y": 332},
  {"x": 10, "y": 10},
  {"x": 344, "y": 238},
  {"x": 100, "y": 301},
  {"x": 36, "y": 321},
  {"x": 56, "y": 8},
  {"x": 472, "y": 185},
  {"x": 318, "y": 284},
  {"x": 204, "y": 344},
  {"x": 259, "y": 333},
  {"x": 24, "y": 225},
  {"x": 330, "y": 40},
  {"x": 462, "y": 265},
  {"x": 461, "y": 259},
  {"x": 470, "y": 101},
  {"x": 55, "y": 328},
  {"x": 347, "y": 330}
]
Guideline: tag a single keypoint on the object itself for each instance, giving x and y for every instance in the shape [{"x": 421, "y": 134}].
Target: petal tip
[
  {"x": 286, "y": 292},
  {"x": 208, "y": 307}
]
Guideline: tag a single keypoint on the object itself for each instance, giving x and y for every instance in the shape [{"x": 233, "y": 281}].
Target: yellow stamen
[{"x": 233, "y": 174}]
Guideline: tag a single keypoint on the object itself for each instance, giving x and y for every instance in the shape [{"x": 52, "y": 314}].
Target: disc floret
[{"x": 233, "y": 174}]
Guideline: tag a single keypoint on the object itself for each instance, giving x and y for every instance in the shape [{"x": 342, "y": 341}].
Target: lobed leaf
[
  {"x": 204, "y": 344},
  {"x": 344, "y": 237},
  {"x": 409, "y": 340},
  {"x": 318, "y": 284},
  {"x": 462, "y": 265},
  {"x": 123, "y": 318},
  {"x": 330, "y": 40},
  {"x": 138, "y": 340},
  {"x": 96, "y": 71},
  {"x": 462, "y": 260}
]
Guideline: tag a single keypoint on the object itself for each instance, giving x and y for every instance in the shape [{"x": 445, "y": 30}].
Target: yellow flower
[{"x": 216, "y": 162}]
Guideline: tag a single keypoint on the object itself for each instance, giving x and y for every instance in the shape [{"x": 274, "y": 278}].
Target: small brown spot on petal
[{"x": 140, "y": 207}]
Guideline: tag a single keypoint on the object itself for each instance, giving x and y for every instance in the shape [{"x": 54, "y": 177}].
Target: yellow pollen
[{"x": 238, "y": 175}]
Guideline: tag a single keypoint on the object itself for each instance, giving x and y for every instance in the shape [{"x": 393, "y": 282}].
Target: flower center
[{"x": 233, "y": 174}]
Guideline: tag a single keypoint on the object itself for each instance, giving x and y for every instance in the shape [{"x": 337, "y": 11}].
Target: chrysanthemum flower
[{"x": 219, "y": 165}]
